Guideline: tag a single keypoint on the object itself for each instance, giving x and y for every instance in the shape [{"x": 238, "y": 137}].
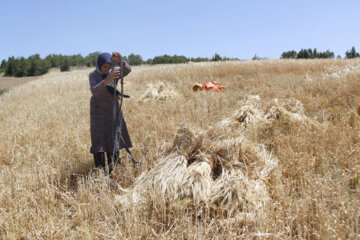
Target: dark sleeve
[
  {"x": 98, "y": 89},
  {"x": 111, "y": 90},
  {"x": 126, "y": 68}
]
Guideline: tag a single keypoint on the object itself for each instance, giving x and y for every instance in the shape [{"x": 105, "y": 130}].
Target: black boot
[
  {"x": 112, "y": 162},
  {"x": 99, "y": 159}
]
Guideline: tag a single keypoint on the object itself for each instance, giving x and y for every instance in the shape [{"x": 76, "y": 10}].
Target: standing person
[{"x": 102, "y": 86}]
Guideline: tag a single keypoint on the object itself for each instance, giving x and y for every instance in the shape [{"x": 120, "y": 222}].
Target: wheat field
[{"x": 274, "y": 156}]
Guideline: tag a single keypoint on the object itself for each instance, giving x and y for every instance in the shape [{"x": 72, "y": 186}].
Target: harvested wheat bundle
[
  {"x": 209, "y": 169},
  {"x": 225, "y": 169},
  {"x": 239, "y": 196},
  {"x": 290, "y": 104},
  {"x": 248, "y": 114},
  {"x": 212, "y": 174},
  {"x": 158, "y": 91},
  {"x": 255, "y": 115}
]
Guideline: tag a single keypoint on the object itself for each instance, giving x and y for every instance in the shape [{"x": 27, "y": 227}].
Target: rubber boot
[
  {"x": 99, "y": 159},
  {"x": 112, "y": 162}
]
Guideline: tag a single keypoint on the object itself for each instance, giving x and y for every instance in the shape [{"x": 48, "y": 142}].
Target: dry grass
[
  {"x": 10, "y": 82},
  {"x": 274, "y": 156}
]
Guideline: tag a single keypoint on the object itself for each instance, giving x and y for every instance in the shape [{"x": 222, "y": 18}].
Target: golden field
[{"x": 274, "y": 156}]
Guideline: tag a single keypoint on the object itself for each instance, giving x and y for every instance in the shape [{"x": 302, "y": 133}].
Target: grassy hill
[{"x": 274, "y": 156}]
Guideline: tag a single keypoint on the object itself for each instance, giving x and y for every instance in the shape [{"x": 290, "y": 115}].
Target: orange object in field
[{"x": 212, "y": 85}]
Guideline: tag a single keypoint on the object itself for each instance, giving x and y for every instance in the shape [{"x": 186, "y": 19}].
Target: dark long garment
[{"x": 101, "y": 117}]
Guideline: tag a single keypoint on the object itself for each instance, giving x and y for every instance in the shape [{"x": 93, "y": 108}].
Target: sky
[{"x": 193, "y": 28}]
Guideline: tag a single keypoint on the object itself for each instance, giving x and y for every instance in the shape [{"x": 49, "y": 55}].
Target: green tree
[
  {"x": 327, "y": 54},
  {"x": 65, "y": 64},
  {"x": 199, "y": 59},
  {"x": 165, "y": 59},
  {"x": 10, "y": 66},
  {"x": 77, "y": 60},
  {"x": 216, "y": 58},
  {"x": 256, "y": 57},
  {"x": 289, "y": 54},
  {"x": 135, "y": 59},
  {"x": 125, "y": 59},
  {"x": 149, "y": 61},
  {"x": 303, "y": 53},
  {"x": 53, "y": 60},
  {"x": 179, "y": 59},
  {"x": 22, "y": 67},
  {"x": 37, "y": 66},
  {"x": 3, "y": 64},
  {"x": 352, "y": 53},
  {"x": 91, "y": 59}
]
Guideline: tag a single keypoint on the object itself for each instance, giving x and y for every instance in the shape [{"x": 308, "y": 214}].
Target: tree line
[
  {"x": 308, "y": 54},
  {"x": 312, "y": 54},
  {"x": 34, "y": 65}
]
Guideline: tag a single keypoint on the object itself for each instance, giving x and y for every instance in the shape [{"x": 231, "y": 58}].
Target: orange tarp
[{"x": 208, "y": 86}]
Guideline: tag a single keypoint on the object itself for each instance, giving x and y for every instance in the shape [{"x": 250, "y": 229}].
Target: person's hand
[
  {"x": 114, "y": 74},
  {"x": 116, "y": 57}
]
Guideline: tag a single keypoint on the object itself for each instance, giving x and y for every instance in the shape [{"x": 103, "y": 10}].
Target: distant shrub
[
  {"x": 216, "y": 57},
  {"x": 256, "y": 57},
  {"x": 2, "y": 91}
]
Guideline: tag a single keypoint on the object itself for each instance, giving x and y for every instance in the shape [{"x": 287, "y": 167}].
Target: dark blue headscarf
[
  {"x": 105, "y": 58},
  {"x": 102, "y": 59}
]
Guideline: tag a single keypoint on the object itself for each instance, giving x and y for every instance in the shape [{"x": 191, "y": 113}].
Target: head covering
[{"x": 102, "y": 59}]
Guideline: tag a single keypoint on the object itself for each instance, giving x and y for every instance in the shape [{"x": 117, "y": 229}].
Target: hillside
[{"x": 273, "y": 156}]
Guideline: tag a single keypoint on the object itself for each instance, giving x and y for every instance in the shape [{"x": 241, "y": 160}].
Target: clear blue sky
[{"x": 194, "y": 28}]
